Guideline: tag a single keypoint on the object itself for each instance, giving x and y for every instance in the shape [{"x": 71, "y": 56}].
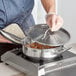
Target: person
[{"x": 19, "y": 11}]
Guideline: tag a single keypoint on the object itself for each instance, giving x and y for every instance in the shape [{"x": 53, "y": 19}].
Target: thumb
[{"x": 53, "y": 22}]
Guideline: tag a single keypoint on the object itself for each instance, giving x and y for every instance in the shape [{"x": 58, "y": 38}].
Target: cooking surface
[
  {"x": 20, "y": 61},
  {"x": 63, "y": 72},
  {"x": 63, "y": 56},
  {"x": 71, "y": 71}
]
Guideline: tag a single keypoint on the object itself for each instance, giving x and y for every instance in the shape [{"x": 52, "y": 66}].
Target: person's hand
[{"x": 54, "y": 21}]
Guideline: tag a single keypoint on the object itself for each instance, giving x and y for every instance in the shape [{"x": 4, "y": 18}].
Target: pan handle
[
  {"x": 63, "y": 50},
  {"x": 26, "y": 40}
]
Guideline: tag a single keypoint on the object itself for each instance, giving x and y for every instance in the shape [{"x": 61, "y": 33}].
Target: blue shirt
[{"x": 11, "y": 10}]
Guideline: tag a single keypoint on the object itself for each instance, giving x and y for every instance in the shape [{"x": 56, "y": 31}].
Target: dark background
[{"x": 4, "y": 47}]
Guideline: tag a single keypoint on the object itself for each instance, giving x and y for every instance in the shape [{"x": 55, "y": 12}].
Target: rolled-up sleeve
[{"x": 2, "y": 15}]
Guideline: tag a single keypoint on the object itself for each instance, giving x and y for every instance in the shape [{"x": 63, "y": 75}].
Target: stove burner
[
  {"x": 18, "y": 51},
  {"x": 41, "y": 61},
  {"x": 59, "y": 57},
  {"x": 65, "y": 55}
]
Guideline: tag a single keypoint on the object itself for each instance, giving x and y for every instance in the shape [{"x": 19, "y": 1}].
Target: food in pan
[{"x": 36, "y": 45}]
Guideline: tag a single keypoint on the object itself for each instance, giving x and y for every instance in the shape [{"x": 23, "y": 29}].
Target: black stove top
[{"x": 64, "y": 55}]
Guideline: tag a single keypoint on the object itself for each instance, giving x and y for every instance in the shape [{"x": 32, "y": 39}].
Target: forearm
[{"x": 49, "y": 5}]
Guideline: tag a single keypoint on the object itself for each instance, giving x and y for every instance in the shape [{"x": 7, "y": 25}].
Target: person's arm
[
  {"x": 52, "y": 19},
  {"x": 49, "y": 5}
]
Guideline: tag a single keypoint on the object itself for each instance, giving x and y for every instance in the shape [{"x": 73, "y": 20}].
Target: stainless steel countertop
[{"x": 10, "y": 71}]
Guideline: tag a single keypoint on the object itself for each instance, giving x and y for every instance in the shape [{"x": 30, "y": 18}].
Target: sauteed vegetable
[{"x": 36, "y": 45}]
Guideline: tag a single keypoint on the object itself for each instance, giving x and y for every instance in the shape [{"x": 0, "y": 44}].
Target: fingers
[
  {"x": 49, "y": 21},
  {"x": 59, "y": 23},
  {"x": 55, "y": 22}
]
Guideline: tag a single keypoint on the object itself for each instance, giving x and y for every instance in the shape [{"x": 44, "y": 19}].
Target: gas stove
[{"x": 64, "y": 64}]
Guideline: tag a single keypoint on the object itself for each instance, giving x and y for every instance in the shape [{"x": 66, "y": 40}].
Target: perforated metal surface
[{"x": 56, "y": 38}]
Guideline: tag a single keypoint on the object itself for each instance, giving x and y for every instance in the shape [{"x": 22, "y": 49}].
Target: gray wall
[{"x": 67, "y": 9}]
